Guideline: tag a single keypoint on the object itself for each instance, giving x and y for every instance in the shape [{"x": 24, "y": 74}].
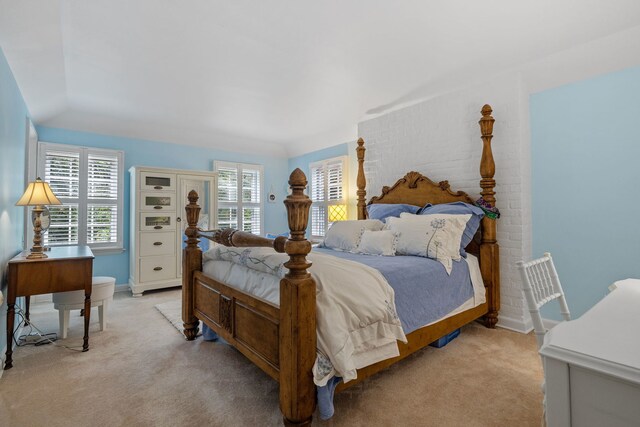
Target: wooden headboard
[{"x": 416, "y": 189}]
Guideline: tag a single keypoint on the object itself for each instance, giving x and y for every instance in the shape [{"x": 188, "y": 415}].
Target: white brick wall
[{"x": 440, "y": 138}]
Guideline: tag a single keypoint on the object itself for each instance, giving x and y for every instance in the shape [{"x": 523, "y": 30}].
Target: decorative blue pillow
[
  {"x": 381, "y": 210},
  {"x": 458, "y": 208}
]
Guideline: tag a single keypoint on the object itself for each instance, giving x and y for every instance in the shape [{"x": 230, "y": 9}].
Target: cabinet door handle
[
  {"x": 157, "y": 207},
  {"x": 157, "y": 268},
  {"x": 157, "y": 227},
  {"x": 157, "y": 243},
  {"x": 158, "y": 187}
]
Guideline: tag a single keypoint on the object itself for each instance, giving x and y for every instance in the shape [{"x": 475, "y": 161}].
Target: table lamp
[
  {"x": 337, "y": 213},
  {"x": 38, "y": 194}
]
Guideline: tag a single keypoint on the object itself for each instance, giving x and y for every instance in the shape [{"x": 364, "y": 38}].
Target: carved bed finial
[
  {"x": 193, "y": 213},
  {"x": 297, "y": 204},
  {"x": 361, "y": 181}
]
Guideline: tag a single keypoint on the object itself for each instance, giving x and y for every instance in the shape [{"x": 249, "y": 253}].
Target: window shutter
[
  {"x": 227, "y": 184},
  {"x": 228, "y": 218},
  {"x": 62, "y": 172},
  {"x": 334, "y": 181},
  {"x": 318, "y": 220},
  {"x": 63, "y": 228},
  {"x": 251, "y": 220},
  {"x": 327, "y": 194},
  {"x": 240, "y": 196},
  {"x": 102, "y": 177},
  {"x": 317, "y": 184},
  {"x": 102, "y": 198},
  {"x": 250, "y": 186}
]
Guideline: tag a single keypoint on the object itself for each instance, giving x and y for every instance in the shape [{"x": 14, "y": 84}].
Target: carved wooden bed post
[
  {"x": 297, "y": 313},
  {"x": 191, "y": 262},
  {"x": 489, "y": 250},
  {"x": 361, "y": 181}
]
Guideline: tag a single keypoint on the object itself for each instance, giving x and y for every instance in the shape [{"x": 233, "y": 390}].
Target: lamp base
[{"x": 37, "y": 255}]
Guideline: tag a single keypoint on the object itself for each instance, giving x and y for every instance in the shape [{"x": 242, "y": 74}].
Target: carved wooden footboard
[
  {"x": 282, "y": 340},
  {"x": 279, "y": 340}
]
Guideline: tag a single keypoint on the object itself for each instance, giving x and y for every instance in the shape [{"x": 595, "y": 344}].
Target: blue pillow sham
[
  {"x": 458, "y": 208},
  {"x": 382, "y": 211}
]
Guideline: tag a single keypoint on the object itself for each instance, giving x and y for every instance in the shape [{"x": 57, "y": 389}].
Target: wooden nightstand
[{"x": 67, "y": 268}]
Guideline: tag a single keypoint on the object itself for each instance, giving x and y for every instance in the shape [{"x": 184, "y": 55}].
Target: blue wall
[
  {"x": 303, "y": 161},
  {"x": 162, "y": 154},
  {"x": 585, "y": 182},
  {"x": 13, "y": 132}
]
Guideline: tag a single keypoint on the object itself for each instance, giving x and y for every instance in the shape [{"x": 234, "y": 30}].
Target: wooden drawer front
[
  {"x": 158, "y": 222},
  {"x": 208, "y": 302},
  {"x": 157, "y": 201},
  {"x": 157, "y": 243},
  {"x": 257, "y": 332},
  {"x": 157, "y": 268},
  {"x": 51, "y": 276},
  {"x": 154, "y": 181}
]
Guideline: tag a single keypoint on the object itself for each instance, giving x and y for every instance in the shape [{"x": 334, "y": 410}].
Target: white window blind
[
  {"x": 240, "y": 203},
  {"x": 88, "y": 182},
  {"x": 327, "y": 194}
]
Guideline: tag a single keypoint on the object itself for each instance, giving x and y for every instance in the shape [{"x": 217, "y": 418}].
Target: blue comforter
[{"x": 423, "y": 289}]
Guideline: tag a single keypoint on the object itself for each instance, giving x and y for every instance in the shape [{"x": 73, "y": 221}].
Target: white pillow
[
  {"x": 434, "y": 236},
  {"x": 345, "y": 235},
  {"x": 371, "y": 224},
  {"x": 381, "y": 242}
]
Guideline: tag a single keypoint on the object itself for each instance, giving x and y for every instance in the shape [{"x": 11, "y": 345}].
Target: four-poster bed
[{"x": 281, "y": 339}]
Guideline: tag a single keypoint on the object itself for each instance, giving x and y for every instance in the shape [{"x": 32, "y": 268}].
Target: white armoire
[{"x": 158, "y": 198}]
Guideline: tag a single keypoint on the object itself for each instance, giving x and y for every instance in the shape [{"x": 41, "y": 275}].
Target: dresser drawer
[
  {"x": 157, "y": 201},
  {"x": 157, "y": 181},
  {"x": 157, "y": 243},
  {"x": 159, "y": 222},
  {"x": 157, "y": 268}
]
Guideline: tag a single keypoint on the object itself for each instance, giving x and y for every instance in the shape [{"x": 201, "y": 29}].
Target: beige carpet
[
  {"x": 140, "y": 372},
  {"x": 172, "y": 311}
]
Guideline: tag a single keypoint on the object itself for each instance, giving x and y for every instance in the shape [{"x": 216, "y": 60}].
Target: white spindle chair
[{"x": 541, "y": 285}]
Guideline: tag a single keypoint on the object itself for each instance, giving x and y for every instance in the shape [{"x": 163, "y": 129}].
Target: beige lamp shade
[{"x": 38, "y": 193}]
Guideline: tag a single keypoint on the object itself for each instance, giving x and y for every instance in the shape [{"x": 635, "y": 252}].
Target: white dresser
[
  {"x": 592, "y": 364},
  {"x": 158, "y": 197}
]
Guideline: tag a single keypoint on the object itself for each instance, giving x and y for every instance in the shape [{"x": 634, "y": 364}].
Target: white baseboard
[
  {"x": 516, "y": 325},
  {"x": 123, "y": 287}
]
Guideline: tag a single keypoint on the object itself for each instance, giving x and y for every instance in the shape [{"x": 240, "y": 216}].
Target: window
[
  {"x": 88, "y": 182},
  {"x": 240, "y": 196},
  {"x": 328, "y": 194}
]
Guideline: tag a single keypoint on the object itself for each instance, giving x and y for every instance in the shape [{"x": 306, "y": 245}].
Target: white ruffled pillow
[
  {"x": 435, "y": 236},
  {"x": 345, "y": 235},
  {"x": 381, "y": 242}
]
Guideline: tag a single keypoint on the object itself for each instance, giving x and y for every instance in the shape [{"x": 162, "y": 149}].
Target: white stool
[{"x": 101, "y": 295}]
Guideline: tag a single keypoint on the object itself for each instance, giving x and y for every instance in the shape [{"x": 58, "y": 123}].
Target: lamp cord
[{"x": 45, "y": 338}]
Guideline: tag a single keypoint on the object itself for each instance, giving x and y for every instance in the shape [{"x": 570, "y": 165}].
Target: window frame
[
  {"x": 325, "y": 203},
  {"x": 239, "y": 204},
  {"x": 83, "y": 199}
]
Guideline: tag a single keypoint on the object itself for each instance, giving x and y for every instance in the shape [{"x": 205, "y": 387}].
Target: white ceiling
[{"x": 280, "y": 77}]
